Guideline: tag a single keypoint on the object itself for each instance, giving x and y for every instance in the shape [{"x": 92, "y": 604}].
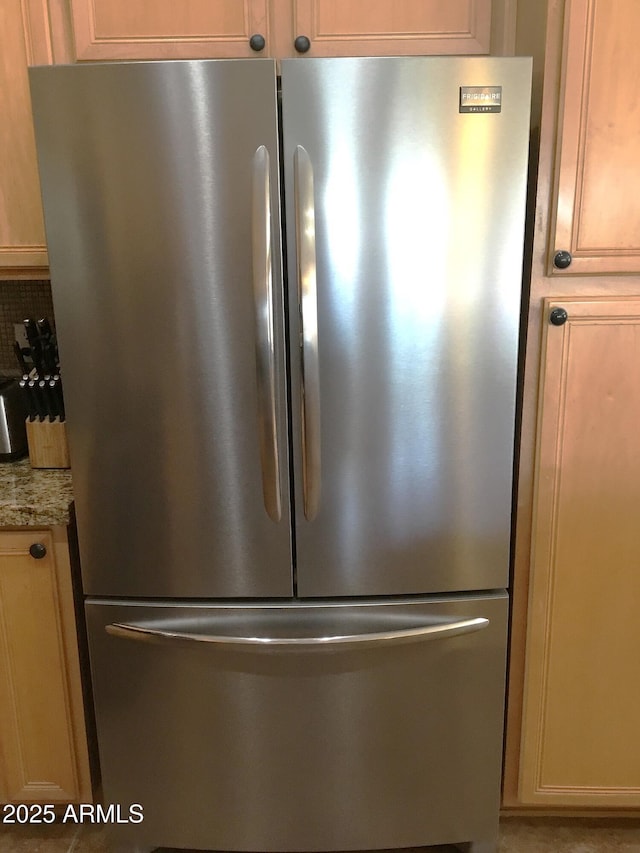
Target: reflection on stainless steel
[
  {"x": 419, "y": 217},
  {"x": 265, "y": 336},
  {"x": 347, "y": 730},
  {"x": 335, "y": 641},
  {"x": 362, "y": 748},
  {"x": 147, "y": 170},
  {"x": 310, "y": 382}
]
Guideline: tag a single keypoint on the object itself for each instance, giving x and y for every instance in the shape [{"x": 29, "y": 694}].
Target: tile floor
[{"x": 518, "y": 835}]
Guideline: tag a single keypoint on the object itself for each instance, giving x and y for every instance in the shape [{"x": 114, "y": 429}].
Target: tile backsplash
[{"x": 20, "y": 299}]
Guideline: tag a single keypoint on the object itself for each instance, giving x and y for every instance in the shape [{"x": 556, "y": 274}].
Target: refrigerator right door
[{"x": 405, "y": 182}]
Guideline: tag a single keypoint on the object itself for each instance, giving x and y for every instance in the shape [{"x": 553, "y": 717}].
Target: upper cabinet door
[
  {"x": 377, "y": 27},
  {"x": 164, "y": 29},
  {"x": 598, "y": 182},
  {"x": 25, "y": 40}
]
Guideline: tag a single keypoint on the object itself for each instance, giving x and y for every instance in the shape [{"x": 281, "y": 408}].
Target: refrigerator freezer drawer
[{"x": 304, "y": 726}]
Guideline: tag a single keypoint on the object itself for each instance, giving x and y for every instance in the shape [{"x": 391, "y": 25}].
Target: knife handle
[
  {"x": 29, "y": 399},
  {"x": 55, "y": 385},
  {"x": 44, "y": 327},
  {"x": 48, "y": 399},
  {"x": 47, "y": 345},
  {"x": 19, "y": 355},
  {"x": 31, "y": 329},
  {"x": 33, "y": 336}
]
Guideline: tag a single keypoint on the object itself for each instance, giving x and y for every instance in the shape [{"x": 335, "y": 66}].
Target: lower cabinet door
[
  {"x": 43, "y": 744},
  {"x": 581, "y": 702},
  {"x": 303, "y": 726}
]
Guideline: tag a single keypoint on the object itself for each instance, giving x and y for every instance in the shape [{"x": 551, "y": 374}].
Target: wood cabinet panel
[
  {"x": 164, "y": 29},
  {"x": 43, "y": 752},
  {"x": 25, "y": 40},
  {"x": 582, "y": 691},
  {"x": 598, "y": 184},
  {"x": 361, "y": 27}
]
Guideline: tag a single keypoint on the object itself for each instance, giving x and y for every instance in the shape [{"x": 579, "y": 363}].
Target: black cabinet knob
[
  {"x": 38, "y": 551},
  {"x": 302, "y": 44},
  {"x": 561, "y": 260},
  {"x": 257, "y": 42},
  {"x": 558, "y": 316}
]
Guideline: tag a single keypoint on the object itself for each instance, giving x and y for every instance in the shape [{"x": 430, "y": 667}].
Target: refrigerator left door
[{"x": 161, "y": 195}]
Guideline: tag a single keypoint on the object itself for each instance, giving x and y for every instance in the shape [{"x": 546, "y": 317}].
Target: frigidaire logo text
[
  {"x": 481, "y": 96},
  {"x": 480, "y": 99}
]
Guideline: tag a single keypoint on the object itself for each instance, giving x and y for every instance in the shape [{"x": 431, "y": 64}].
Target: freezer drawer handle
[
  {"x": 265, "y": 336},
  {"x": 307, "y": 295},
  {"x": 306, "y": 644}
]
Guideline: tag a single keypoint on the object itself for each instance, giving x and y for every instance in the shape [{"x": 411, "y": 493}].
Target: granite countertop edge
[{"x": 31, "y": 497}]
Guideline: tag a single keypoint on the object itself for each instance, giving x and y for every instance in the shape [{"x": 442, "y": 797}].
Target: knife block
[{"x": 47, "y": 442}]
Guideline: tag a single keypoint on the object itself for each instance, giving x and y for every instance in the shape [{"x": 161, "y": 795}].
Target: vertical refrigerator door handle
[
  {"x": 307, "y": 294},
  {"x": 265, "y": 336}
]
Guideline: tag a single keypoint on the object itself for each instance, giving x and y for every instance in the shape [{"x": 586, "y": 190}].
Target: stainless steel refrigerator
[{"x": 288, "y": 324}]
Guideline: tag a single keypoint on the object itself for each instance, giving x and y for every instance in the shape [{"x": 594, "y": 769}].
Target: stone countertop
[{"x": 33, "y": 496}]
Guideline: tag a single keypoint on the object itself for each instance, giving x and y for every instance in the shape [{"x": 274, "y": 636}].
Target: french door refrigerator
[{"x": 288, "y": 321}]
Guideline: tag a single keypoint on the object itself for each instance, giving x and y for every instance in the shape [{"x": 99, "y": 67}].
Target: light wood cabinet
[
  {"x": 574, "y": 693},
  {"x": 43, "y": 749},
  {"x": 164, "y": 29},
  {"x": 361, "y": 27},
  {"x": 582, "y": 691},
  {"x": 597, "y": 198},
  {"x": 25, "y": 40}
]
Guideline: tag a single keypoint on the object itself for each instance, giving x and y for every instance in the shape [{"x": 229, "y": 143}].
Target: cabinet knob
[
  {"x": 561, "y": 260},
  {"x": 302, "y": 44},
  {"x": 257, "y": 42},
  {"x": 38, "y": 551},
  {"x": 558, "y": 316}
]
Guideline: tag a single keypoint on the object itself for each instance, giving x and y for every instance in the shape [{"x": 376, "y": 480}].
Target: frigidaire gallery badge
[{"x": 480, "y": 99}]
